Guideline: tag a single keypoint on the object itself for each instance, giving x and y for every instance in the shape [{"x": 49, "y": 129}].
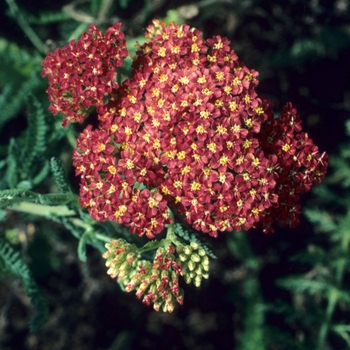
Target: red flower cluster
[
  {"x": 82, "y": 74},
  {"x": 188, "y": 132},
  {"x": 297, "y": 165}
]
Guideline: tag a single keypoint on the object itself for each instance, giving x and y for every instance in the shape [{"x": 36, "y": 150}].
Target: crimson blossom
[
  {"x": 187, "y": 132},
  {"x": 82, "y": 74}
]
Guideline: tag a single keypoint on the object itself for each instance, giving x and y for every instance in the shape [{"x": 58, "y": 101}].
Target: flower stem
[
  {"x": 104, "y": 9},
  {"x": 42, "y": 210},
  {"x": 333, "y": 293},
  {"x": 27, "y": 29}
]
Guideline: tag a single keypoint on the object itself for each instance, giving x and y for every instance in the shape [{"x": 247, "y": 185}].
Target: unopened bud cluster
[
  {"x": 155, "y": 283},
  {"x": 121, "y": 259},
  {"x": 195, "y": 263}
]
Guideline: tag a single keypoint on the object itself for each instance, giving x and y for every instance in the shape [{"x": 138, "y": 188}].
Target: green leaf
[
  {"x": 59, "y": 175},
  {"x": 300, "y": 284},
  {"x": 82, "y": 246},
  {"x": 189, "y": 235},
  {"x": 10, "y": 197},
  {"x": 35, "y": 138},
  {"x": 11, "y": 262}
]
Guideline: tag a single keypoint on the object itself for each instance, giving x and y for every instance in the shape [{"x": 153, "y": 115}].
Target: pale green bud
[
  {"x": 191, "y": 265},
  {"x": 199, "y": 270},
  {"x": 124, "y": 266},
  {"x": 205, "y": 268},
  {"x": 195, "y": 258},
  {"x": 194, "y": 245},
  {"x": 183, "y": 257},
  {"x": 180, "y": 248},
  {"x": 202, "y": 252},
  {"x": 130, "y": 257},
  {"x": 187, "y": 250},
  {"x": 197, "y": 281},
  {"x": 187, "y": 279},
  {"x": 205, "y": 261},
  {"x": 112, "y": 272},
  {"x": 122, "y": 274}
]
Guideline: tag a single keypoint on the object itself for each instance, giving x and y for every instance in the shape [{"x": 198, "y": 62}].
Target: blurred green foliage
[{"x": 293, "y": 294}]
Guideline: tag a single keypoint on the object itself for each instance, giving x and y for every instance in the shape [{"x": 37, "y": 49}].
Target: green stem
[
  {"x": 155, "y": 245},
  {"x": 332, "y": 302},
  {"x": 105, "y": 7},
  {"x": 252, "y": 336},
  {"x": 42, "y": 210},
  {"x": 102, "y": 237},
  {"x": 333, "y": 294},
  {"x": 171, "y": 238},
  {"x": 27, "y": 29},
  {"x": 59, "y": 210},
  {"x": 79, "y": 31}
]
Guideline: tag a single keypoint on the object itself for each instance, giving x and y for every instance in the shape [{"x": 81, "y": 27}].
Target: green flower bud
[
  {"x": 164, "y": 273},
  {"x": 184, "y": 270},
  {"x": 187, "y": 250},
  {"x": 195, "y": 258},
  {"x": 157, "y": 305},
  {"x": 191, "y": 265},
  {"x": 199, "y": 270},
  {"x": 173, "y": 275},
  {"x": 124, "y": 266},
  {"x": 187, "y": 279},
  {"x": 202, "y": 252},
  {"x": 112, "y": 272},
  {"x": 194, "y": 245},
  {"x": 197, "y": 281},
  {"x": 179, "y": 248},
  {"x": 180, "y": 297},
  {"x": 122, "y": 274},
  {"x": 130, "y": 257},
  {"x": 205, "y": 260},
  {"x": 168, "y": 305},
  {"x": 183, "y": 257},
  {"x": 205, "y": 268}
]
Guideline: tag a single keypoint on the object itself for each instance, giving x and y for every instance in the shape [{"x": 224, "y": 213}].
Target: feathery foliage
[
  {"x": 12, "y": 263},
  {"x": 19, "y": 78},
  {"x": 59, "y": 175},
  {"x": 34, "y": 144},
  {"x": 327, "y": 261},
  {"x": 310, "y": 299},
  {"x": 189, "y": 235}
]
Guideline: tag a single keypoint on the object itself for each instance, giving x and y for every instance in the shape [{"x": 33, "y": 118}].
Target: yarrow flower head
[
  {"x": 186, "y": 134},
  {"x": 189, "y": 132},
  {"x": 82, "y": 74}
]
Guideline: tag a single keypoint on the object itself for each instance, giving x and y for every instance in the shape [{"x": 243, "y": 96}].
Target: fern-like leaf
[
  {"x": 10, "y": 178},
  {"x": 34, "y": 144},
  {"x": 300, "y": 284},
  {"x": 13, "y": 264},
  {"x": 47, "y": 17},
  {"x": 76, "y": 231},
  {"x": 59, "y": 175},
  {"x": 190, "y": 236},
  {"x": 13, "y": 97},
  {"x": 10, "y": 197}
]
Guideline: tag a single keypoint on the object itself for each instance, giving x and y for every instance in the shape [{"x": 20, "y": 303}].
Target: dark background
[{"x": 302, "y": 52}]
